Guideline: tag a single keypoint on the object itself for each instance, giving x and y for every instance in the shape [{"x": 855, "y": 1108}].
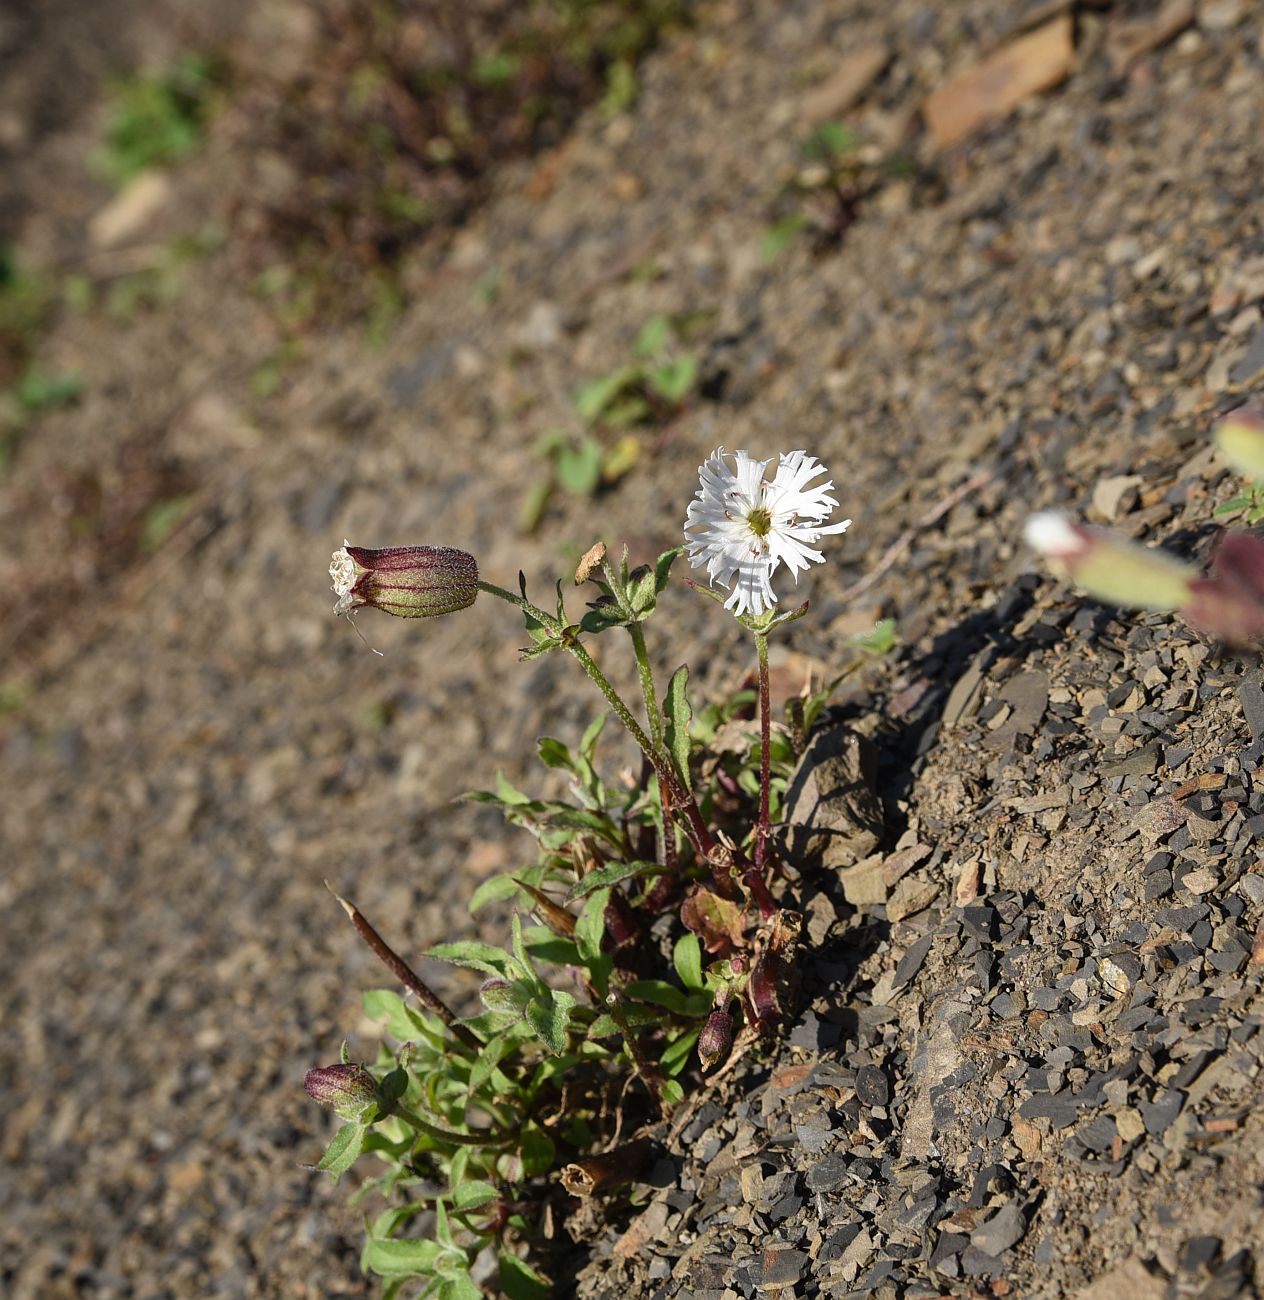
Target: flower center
[{"x": 759, "y": 521}]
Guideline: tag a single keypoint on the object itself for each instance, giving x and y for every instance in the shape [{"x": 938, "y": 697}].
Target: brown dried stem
[{"x": 406, "y": 975}]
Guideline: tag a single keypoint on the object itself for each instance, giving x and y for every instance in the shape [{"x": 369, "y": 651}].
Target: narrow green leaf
[
  {"x": 520, "y": 950},
  {"x": 469, "y": 1196},
  {"x": 659, "y": 992},
  {"x": 520, "y": 1281},
  {"x": 595, "y": 396},
  {"x": 588, "y": 744},
  {"x": 479, "y": 956},
  {"x": 591, "y": 925},
  {"x": 612, "y": 873},
  {"x": 495, "y": 890},
  {"x": 662, "y": 567},
  {"x": 443, "y": 1228},
  {"x": 687, "y": 958},
  {"x": 343, "y": 1150},
  {"x": 494, "y": 1051},
  {"x": 538, "y": 1153},
  {"x": 653, "y": 336},
  {"x": 676, "y": 1055},
  {"x": 679, "y": 716},
  {"x": 393, "y": 1258}
]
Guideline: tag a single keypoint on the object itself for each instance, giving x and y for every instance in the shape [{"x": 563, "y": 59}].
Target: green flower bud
[
  {"x": 349, "y": 1088},
  {"x": 409, "y": 581}
]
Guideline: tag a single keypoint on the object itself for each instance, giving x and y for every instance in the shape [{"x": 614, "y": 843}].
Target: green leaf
[
  {"x": 663, "y": 566},
  {"x": 554, "y": 754},
  {"x": 534, "y": 504},
  {"x": 679, "y": 716},
  {"x": 830, "y": 141},
  {"x": 653, "y": 336},
  {"x": 402, "y": 1021},
  {"x": 591, "y": 925},
  {"x": 588, "y": 745},
  {"x": 671, "y": 1092},
  {"x": 879, "y": 640},
  {"x": 520, "y": 950},
  {"x": 782, "y": 235},
  {"x": 161, "y": 520},
  {"x": 579, "y": 467},
  {"x": 659, "y": 992},
  {"x": 538, "y": 1153},
  {"x": 549, "y": 1014},
  {"x": 394, "y": 1084},
  {"x": 636, "y": 1015},
  {"x": 393, "y": 1258},
  {"x": 619, "y": 460},
  {"x": 37, "y": 391},
  {"x": 459, "y": 1286},
  {"x": 480, "y": 957},
  {"x": 469, "y": 1196},
  {"x": 494, "y": 1051},
  {"x": 343, "y": 1150},
  {"x": 613, "y": 873},
  {"x": 676, "y": 1055},
  {"x": 520, "y": 1281},
  {"x": 675, "y": 380},
  {"x": 495, "y": 890},
  {"x": 443, "y": 1228},
  {"x": 687, "y": 958},
  {"x": 595, "y": 396}
]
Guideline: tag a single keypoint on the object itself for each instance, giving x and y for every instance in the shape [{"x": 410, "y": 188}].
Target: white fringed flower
[{"x": 742, "y": 525}]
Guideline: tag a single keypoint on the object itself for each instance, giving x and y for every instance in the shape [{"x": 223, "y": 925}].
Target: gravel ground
[{"x": 1031, "y": 1057}]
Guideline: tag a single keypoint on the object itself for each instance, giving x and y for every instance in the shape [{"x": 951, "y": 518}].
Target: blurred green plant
[
  {"x": 836, "y": 172},
  {"x": 649, "y": 390},
  {"x": 155, "y": 120}
]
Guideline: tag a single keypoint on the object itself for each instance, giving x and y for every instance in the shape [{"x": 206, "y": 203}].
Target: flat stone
[
  {"x": 996, "y": 86},
  {"x": 1251, "y": 364},
  {"x": 833, "y": 816},
  {"x": 1004, "y": 1229},
  {"x": 844, "y": 88}
]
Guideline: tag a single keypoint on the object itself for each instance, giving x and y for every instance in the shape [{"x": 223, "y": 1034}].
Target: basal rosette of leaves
[{"x": 648, "y": 939}]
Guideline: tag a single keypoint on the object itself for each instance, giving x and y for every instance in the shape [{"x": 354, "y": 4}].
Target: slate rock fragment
[{"x": 833, "y": 817}]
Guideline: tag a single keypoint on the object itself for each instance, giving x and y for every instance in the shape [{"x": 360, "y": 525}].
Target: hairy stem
[
  {"x": 478, "y": 1138},
  {"x": 637, "y": 633},
  {"x": 762, "y": 826}
]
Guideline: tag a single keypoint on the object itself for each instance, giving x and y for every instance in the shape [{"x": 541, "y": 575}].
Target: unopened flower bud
[
  {"x": 347, "y": 1087},
  {"x": 410, "y": 581},
  {"x": 1108, "y": 567},
  {"x": 716, "y": 1038}
]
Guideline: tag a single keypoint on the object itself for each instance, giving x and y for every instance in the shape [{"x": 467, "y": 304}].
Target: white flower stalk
[{"x": 742, "y": 525}]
